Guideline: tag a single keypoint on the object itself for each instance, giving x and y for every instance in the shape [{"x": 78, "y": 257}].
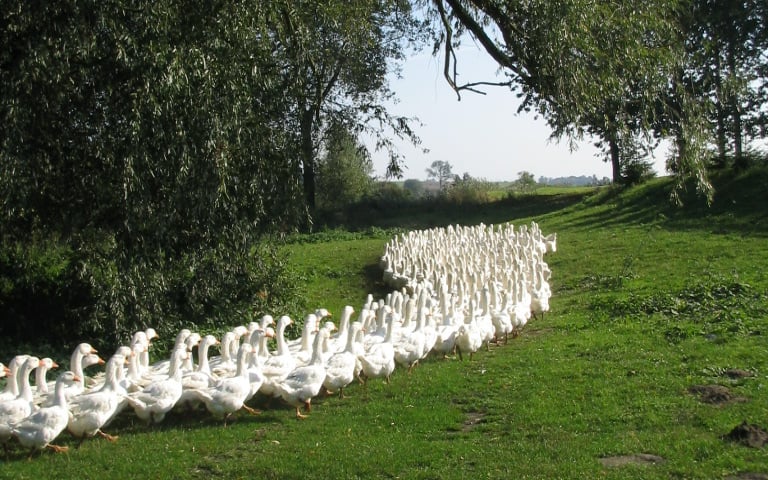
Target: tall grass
[{"x": 648, "y": 301}]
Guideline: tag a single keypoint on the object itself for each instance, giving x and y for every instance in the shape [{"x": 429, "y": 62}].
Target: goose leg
[
  {"x": 299, "y": 415},
  {"x": 58, "y": 448},
  {"x": 252, "y": 411},
  {"x": 412, "y": 365},
  {"x": 111, "y": 438}
]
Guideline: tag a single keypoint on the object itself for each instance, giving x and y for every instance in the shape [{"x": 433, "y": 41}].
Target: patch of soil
[
  {"x": 537, "y": 332},
  {"x": 748, "y": 476},
  {"x": 633, "y": 459},
  {"x": 715, "y": 394},
  {"x": 748, "y": 434},
  {"x": 472, "y": 420}
]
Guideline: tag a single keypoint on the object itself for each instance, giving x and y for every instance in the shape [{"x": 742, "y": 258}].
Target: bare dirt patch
[
  {"x": 737, "y": 373},
  {"x": 748, "y": 434},
  {"x": 748, "y": 476},
  {"x": 472, "y": 420},
  {"x": 632, "y": 459},
  {"x": 715, "y": 394}
]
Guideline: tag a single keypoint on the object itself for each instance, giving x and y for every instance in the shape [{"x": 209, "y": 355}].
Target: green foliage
[
  {"x": 51, "y": 293},
  {"x": 40, "y": 295},
  {"x": 606, "y": 372},
  {"x": 146, "y": 142},
  {"x": 609, "y": 69},
  {"x": 636, "y": 171},
  {"x": 415, "y": 187},
  {"x": 344, "y": 173},
  {"x": 717, "y": 309},
  {"x": 334, "y": 58},
  {"x": 525, "y": 183},
  {"x": 611, "y": 281},
  {"x": 441, "y": 172},
  {"x": 467, "y": 190},
  {"x": 725, "y": 46}
]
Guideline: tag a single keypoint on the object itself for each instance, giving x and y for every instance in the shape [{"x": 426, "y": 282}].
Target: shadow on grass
[
  {"x": 433, "y": 213},
  {"x": 737, "y": 207},
  {"x": 373, "y": 281}
]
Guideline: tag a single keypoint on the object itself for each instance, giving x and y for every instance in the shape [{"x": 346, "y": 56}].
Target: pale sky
[{"x": 481, "y": 135}]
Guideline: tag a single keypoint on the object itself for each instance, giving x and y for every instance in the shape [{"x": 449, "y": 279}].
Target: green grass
[{"x": 649, "y": 300}]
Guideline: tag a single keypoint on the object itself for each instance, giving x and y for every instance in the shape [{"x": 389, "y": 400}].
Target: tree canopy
[
  {"x": 156, "y": 144},
  {"x": 615, "y": 70}
]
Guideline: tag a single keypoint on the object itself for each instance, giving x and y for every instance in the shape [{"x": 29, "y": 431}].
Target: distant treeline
[{"x": 579, "y": 181}]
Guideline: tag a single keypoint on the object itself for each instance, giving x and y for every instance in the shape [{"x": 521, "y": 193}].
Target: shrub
[
  {"x": 636, "y": 171},
  {"x": 468, "y": 190},
  {"x": 91, "y": 289}
]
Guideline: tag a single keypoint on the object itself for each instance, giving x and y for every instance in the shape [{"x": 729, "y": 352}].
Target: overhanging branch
[{"x": 449, "y": 69}]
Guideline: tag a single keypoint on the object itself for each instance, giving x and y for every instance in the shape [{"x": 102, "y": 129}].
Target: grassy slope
[{"x": 605, "y": 373}]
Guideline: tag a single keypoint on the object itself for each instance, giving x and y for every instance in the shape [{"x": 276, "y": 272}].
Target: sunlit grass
[{"x": 605, "y": 373}]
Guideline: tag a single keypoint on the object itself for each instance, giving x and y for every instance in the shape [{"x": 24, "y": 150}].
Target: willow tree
[
  {"x": 726, "y": 46},
  {"x": 335, "y": 57},
  {"x": 603, "y": 68},
  {"x": 149, "y": 141}
]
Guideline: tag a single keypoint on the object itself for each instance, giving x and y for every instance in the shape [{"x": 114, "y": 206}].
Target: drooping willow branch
[{"x": 449, "y": 68}]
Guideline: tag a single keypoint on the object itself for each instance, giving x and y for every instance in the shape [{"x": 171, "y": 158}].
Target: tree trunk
[
  {"x": 613, "y": 145},
  {"x": 308, "y": 158},
  {"x": 721, "y": 113},
  {"x": 735, "y": 109}
]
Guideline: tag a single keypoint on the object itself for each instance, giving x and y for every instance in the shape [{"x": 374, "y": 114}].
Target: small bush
[
  {"x": 636, "y": 171},
  {"x": 91, "y": 289},
  {"x": 468, "y": 190}
]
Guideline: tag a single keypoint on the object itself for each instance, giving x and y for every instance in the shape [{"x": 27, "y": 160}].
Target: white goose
[
  {"x": 340, "y": 367},
  {"x": 409, "y": 348},
  {"x": 16, "y": 410},
  {"x": 484, "y": 318},
  {"x": 128, "y": 379},
  {"x": 446, "y": 331},
  {"x": 302, "y": 347},
  {"x": 303, "y": 383},
  {"x": 90, "y": 412},
  {"x": 11, "y": 390},
  {"x": 38, "y": 430},
  {"x": 222, "y": 365},
  {"x": 82, "y": 357},
  {"x": 41, "y": 382},
  {"x": 379, "y": 358},
  {"x": 502, "y": 320},
  {"x": 144, "y": 337},
  {"x": 468, "y": 339},
  {"x": 255, "y": 374},
  {"x": 202, "y": 377},
  {"x": 378, "y": 331},
  {"x": 229, "y": 394},
  {"x": 339, "y": 341},
  {"x": 310, "y": 328},
  {"x": 540, "y": 292},
  {"x": 192, "y": 341},
  {"x": 153, "y": 402},
  {"x": 277, "y": 366},
  {"x": 161, "y": 367}
]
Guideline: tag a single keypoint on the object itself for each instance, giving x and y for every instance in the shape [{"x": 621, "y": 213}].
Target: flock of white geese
[{"x": 455, "y": 290}]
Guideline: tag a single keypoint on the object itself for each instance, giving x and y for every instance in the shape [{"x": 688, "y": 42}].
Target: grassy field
[{"x": 652, "y": 304}]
